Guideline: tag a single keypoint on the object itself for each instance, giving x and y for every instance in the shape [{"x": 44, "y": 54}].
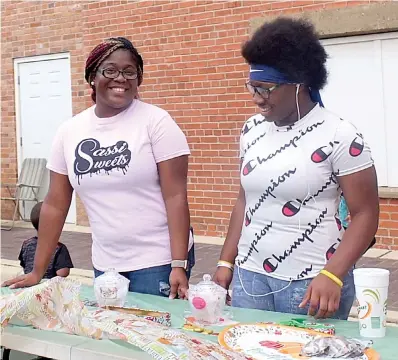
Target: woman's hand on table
[
  {"x": 178, "y": 284},
  {"x": 22, "y": 281},
  {"x": 323, "y": 296},
  {"x": 223, "y": 277}
]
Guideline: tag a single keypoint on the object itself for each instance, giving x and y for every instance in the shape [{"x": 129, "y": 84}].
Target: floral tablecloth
[{"x": 55, "y": 305}]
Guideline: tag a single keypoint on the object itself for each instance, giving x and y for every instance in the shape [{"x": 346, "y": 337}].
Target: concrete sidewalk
[{"x": 207, "y": 252}]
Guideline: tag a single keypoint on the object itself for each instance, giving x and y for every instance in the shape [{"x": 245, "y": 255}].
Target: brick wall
[
  {"x": 388, "y": 225},
  {"x": 28, "y": 29},
  {"x": 192, "y": 67}
]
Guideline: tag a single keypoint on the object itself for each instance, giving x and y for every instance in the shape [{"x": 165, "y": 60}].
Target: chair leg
[
  {"x": 15, "y": 204},
  {"x": 6, "y": 354},
  {"x": 19, "y": 211},
  {"x": 13, "y": 217}
]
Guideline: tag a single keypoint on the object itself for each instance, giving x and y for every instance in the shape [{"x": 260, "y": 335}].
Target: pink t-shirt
[{"x": 112, "y": 165}]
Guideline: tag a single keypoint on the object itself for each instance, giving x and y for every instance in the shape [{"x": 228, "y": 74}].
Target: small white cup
[{"x": 371, "y": 289}]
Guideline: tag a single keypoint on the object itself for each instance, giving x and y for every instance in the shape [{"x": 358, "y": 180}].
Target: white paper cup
[{"x": 371, "y": 289}]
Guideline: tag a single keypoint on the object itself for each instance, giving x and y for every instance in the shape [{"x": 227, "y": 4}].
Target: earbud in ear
[{"x": 92, "y": 83}]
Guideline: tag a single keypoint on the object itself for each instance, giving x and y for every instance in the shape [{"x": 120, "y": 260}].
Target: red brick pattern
[
  {"x": 28, "y": 29},
  {"x": 192, "y": 68},
  {"x": 387, "y": 234}
]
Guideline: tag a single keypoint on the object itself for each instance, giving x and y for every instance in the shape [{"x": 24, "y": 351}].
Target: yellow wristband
[
  {"x": 332, "y": 277},
  {"x": 222, "y": 263}
]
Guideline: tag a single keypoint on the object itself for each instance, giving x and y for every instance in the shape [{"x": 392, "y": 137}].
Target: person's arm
[
  {"x": 352, "y": 164},
  {"x": 52, "y": 218},
  {"x": 224, "y": 274},
  {"x": 225, "y": 266},
  {"x": 361, "y": 194},
  {"x": 63, "y": 262},
  {"x": 21, "y": 257},
  {"x": 53, "y": 212},
  {"x": 173, "y": 183},
  {"x": 230, "y": 248},
  {"x": 170, "y": 150},
  {"x": 63, "y": 272}
]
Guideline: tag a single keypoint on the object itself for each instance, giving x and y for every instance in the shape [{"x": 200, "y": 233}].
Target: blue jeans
[
  {"x": 288, "y": 299},
  {"x": 153, "y": 280}
]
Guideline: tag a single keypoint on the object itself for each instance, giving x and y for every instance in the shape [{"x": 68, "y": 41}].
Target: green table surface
[{"x": 85, "y": 348}]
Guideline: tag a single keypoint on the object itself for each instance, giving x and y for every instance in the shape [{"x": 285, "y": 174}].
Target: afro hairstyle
[{"x": 291, "y": 46}]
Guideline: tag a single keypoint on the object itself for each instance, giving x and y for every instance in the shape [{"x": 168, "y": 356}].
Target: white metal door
[
  {"x": 354, "y": 91},
  {"x": 390, "y": 79},
  {"x": 361, "y": 88},
  {"x": 45, "y": 101}
]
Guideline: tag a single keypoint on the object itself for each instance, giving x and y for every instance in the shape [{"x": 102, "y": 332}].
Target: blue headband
[{"x": 266, "y": 73}]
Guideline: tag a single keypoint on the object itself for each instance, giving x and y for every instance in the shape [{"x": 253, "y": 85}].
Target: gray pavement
[{"x": 79, "y": 245}]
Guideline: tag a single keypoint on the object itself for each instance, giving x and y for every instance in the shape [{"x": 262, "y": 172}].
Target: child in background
[{"x": 60, "y": 263}]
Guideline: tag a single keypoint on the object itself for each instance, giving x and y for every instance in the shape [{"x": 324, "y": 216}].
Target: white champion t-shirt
[
  {"x": 291, "y": 227},
  {"x": 112, "y": 165}
]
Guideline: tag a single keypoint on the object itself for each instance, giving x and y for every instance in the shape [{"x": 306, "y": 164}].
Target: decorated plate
[{"x": 276, "y": 342}]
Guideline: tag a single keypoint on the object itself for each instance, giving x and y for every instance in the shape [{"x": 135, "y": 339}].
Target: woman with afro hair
[
  {"x": 127, "y": 160},
  {"x": 286, "y": 250}
]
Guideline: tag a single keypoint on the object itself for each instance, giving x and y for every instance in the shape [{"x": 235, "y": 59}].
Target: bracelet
[
  {"x": 332, "y": 277},
  {"x": 222, "y": 263}
]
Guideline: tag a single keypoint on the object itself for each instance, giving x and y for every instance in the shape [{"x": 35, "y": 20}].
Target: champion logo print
[
  {"x": 251, "y": 123},
  {"x": 264, "y": 231},
  {"x": 246, "y": 129},
  {"x": 322, "y": 153},
  {"x": 332, "y": 250},
  {"x": 251, "y": 164},
  {"x": 292, "y": 207},
  {"x": 357, "y": 146},
  {"x": 269, "y": 191},
  {"x": 338, "y": 222},
  {"x": 254, "y": 142},
  {"x": 270, "y": 264},
  {"x": 249, "y": 167},
  {"x": 304, "y": 273}
]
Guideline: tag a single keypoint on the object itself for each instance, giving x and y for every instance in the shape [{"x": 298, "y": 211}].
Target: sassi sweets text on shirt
[{"x": 91, "y": 157}]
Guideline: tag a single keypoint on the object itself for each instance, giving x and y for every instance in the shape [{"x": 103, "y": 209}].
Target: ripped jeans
[
  {"x": 153, "y": 280},
  {"x": 287, "y": 300}
]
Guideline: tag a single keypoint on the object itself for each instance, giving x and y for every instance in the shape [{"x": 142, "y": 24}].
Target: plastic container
[
  {"x": 111, "y": 289},
  {"x": 207, "y": 300}
]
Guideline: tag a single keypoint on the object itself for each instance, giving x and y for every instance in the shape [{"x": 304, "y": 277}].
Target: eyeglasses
[
  {"x": 112, "y": 73},
  {"x": 263, "y": 92}
]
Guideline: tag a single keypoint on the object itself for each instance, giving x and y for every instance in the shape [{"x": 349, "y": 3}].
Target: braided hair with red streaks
[{"x": 102, "y": 51}]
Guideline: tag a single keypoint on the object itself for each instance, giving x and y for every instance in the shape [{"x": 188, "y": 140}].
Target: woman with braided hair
[
  {"x": 104, "y": 50},
  {"x": 127, "y": 160}
]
